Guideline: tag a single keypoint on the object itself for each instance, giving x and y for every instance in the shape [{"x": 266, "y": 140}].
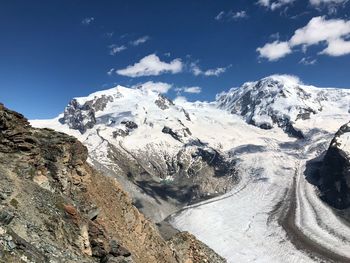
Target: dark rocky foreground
[{"x": 55, "y": 208}]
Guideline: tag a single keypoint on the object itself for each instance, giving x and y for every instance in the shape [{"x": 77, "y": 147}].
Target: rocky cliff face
[
  {"x": 56, "y": 208},
  {"x": 334, "y": 182}
]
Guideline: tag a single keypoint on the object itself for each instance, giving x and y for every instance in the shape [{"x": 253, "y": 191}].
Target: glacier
[{"x": 240, "y": 161}]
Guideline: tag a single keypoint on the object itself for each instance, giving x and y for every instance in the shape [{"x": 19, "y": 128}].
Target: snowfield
[{"x": 272, "y": 214}]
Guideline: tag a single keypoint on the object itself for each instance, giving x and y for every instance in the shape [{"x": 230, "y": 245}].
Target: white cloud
[
  {"x": 331, "y": 5},
  {"x": 160, "y": 87},
  {"x": 275, "y": 36},
  {"x": 192, "y": 90},
  {"x": 179, "y": 100},
  {"x": 220, "y": 15},
  {"x": 265, "y": 3},
  {"x": 319, "y": 29},
  {"x": 214, "y": 72},
  {"x": 195, "y": 90},
  {"x": 288, "y": 79},
  {"x": 276, "y": 4},
  {"x": 239, "y": 15},
  {"x": 196, "y": 70},
  {"x": 231, "y": 15},
  {"x": 332, "y": 32},
  {"x": 114, "y": 49},
  {"x": 87, "y": 20},
  {"x": 273, "y": 5},
  {"x": 110, "y": 72},
  {"x": 140, "y": 41},
  {"x": 307, "y": 61},
  {"x": 151, "y": 66},
  {"x": 327, "y": 2},
  {"x": 274, "y": 51},
  {"x": 337, "y": 47}
]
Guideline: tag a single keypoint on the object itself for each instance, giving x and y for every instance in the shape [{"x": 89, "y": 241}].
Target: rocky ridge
[
  {"x": 56, "y": 208},
  {"x": 334, "y": 178}
]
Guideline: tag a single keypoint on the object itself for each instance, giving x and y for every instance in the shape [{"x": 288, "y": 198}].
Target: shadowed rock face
[
  {"x": 79, "y": 117},
  {"x": 55, "y": 208},
  {"x": 335, "y": 173},
  {"x": 82, "y": 117},
  {"x": 163, "y": 102}
]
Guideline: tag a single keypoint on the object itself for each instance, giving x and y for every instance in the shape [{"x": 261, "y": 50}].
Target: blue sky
[{"x": 51, "y": 51}]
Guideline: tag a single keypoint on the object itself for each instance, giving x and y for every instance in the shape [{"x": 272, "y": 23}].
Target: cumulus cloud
[
  {"x": 337, "y": 47},
  {"x": 275, "y": 50},
  {"x": 160, "y": 87},
  {"x": 274, "y": 5},
  {"x": 231, "y": 15},
  {"x": 196, "y": 70},
  {"x": 195, "y": 90},
  {"x": 319, "y": 29},
  {"x": 151, "y": 65},
  {"x": 87, "y": 20},
  {"x": 179, "y": 100},
  {"x": 114, "y": 49},
  {"x": 332, "y": 32},
  {"x": 140, "y": 41}
]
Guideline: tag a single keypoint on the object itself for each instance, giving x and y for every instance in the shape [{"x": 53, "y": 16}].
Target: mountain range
[{"x": 260, "y": 174}]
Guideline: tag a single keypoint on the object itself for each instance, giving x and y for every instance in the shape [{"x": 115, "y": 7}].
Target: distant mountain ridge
[
  {"x": 163, "y": 146},
  {"x": 281, "y": 100},
  {"x": 251, "y": 142}
]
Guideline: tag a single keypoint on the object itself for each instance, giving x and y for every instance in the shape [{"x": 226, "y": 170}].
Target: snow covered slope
[
  {"x": 162, "y": 153},
  {"x": 171, "y": 153},
  {"x": 283, "y": 100}
]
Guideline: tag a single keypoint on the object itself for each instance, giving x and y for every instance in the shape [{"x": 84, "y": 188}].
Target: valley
[{"x": 232, "y": 172}]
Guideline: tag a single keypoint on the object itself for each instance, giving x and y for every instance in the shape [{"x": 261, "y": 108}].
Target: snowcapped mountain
[
  {"x": 168, "y": 154},
  {"x": 153, "y": 145},
  {"x": 282, "y": 100}
]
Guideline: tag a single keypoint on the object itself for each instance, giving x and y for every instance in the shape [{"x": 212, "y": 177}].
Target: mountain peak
[
  {"x": 275, "y": 100},
  {"x": 289, "y": 80}
]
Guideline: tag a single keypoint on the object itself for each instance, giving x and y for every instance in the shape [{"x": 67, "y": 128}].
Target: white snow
[
  {"x": 343, "y": 142},
  {"x": 240, "y": 225},
  {"x": 282, "y": 97}
]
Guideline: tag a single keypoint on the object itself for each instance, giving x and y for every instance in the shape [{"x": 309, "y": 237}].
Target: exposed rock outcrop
[
  {"x": 163, "y": 102},
  {"x": 334, "y": 182},
  {"x": 55, "y": 208},
  {"x": 79, "y": 117},
  {"x": 192, "y": 251}
]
